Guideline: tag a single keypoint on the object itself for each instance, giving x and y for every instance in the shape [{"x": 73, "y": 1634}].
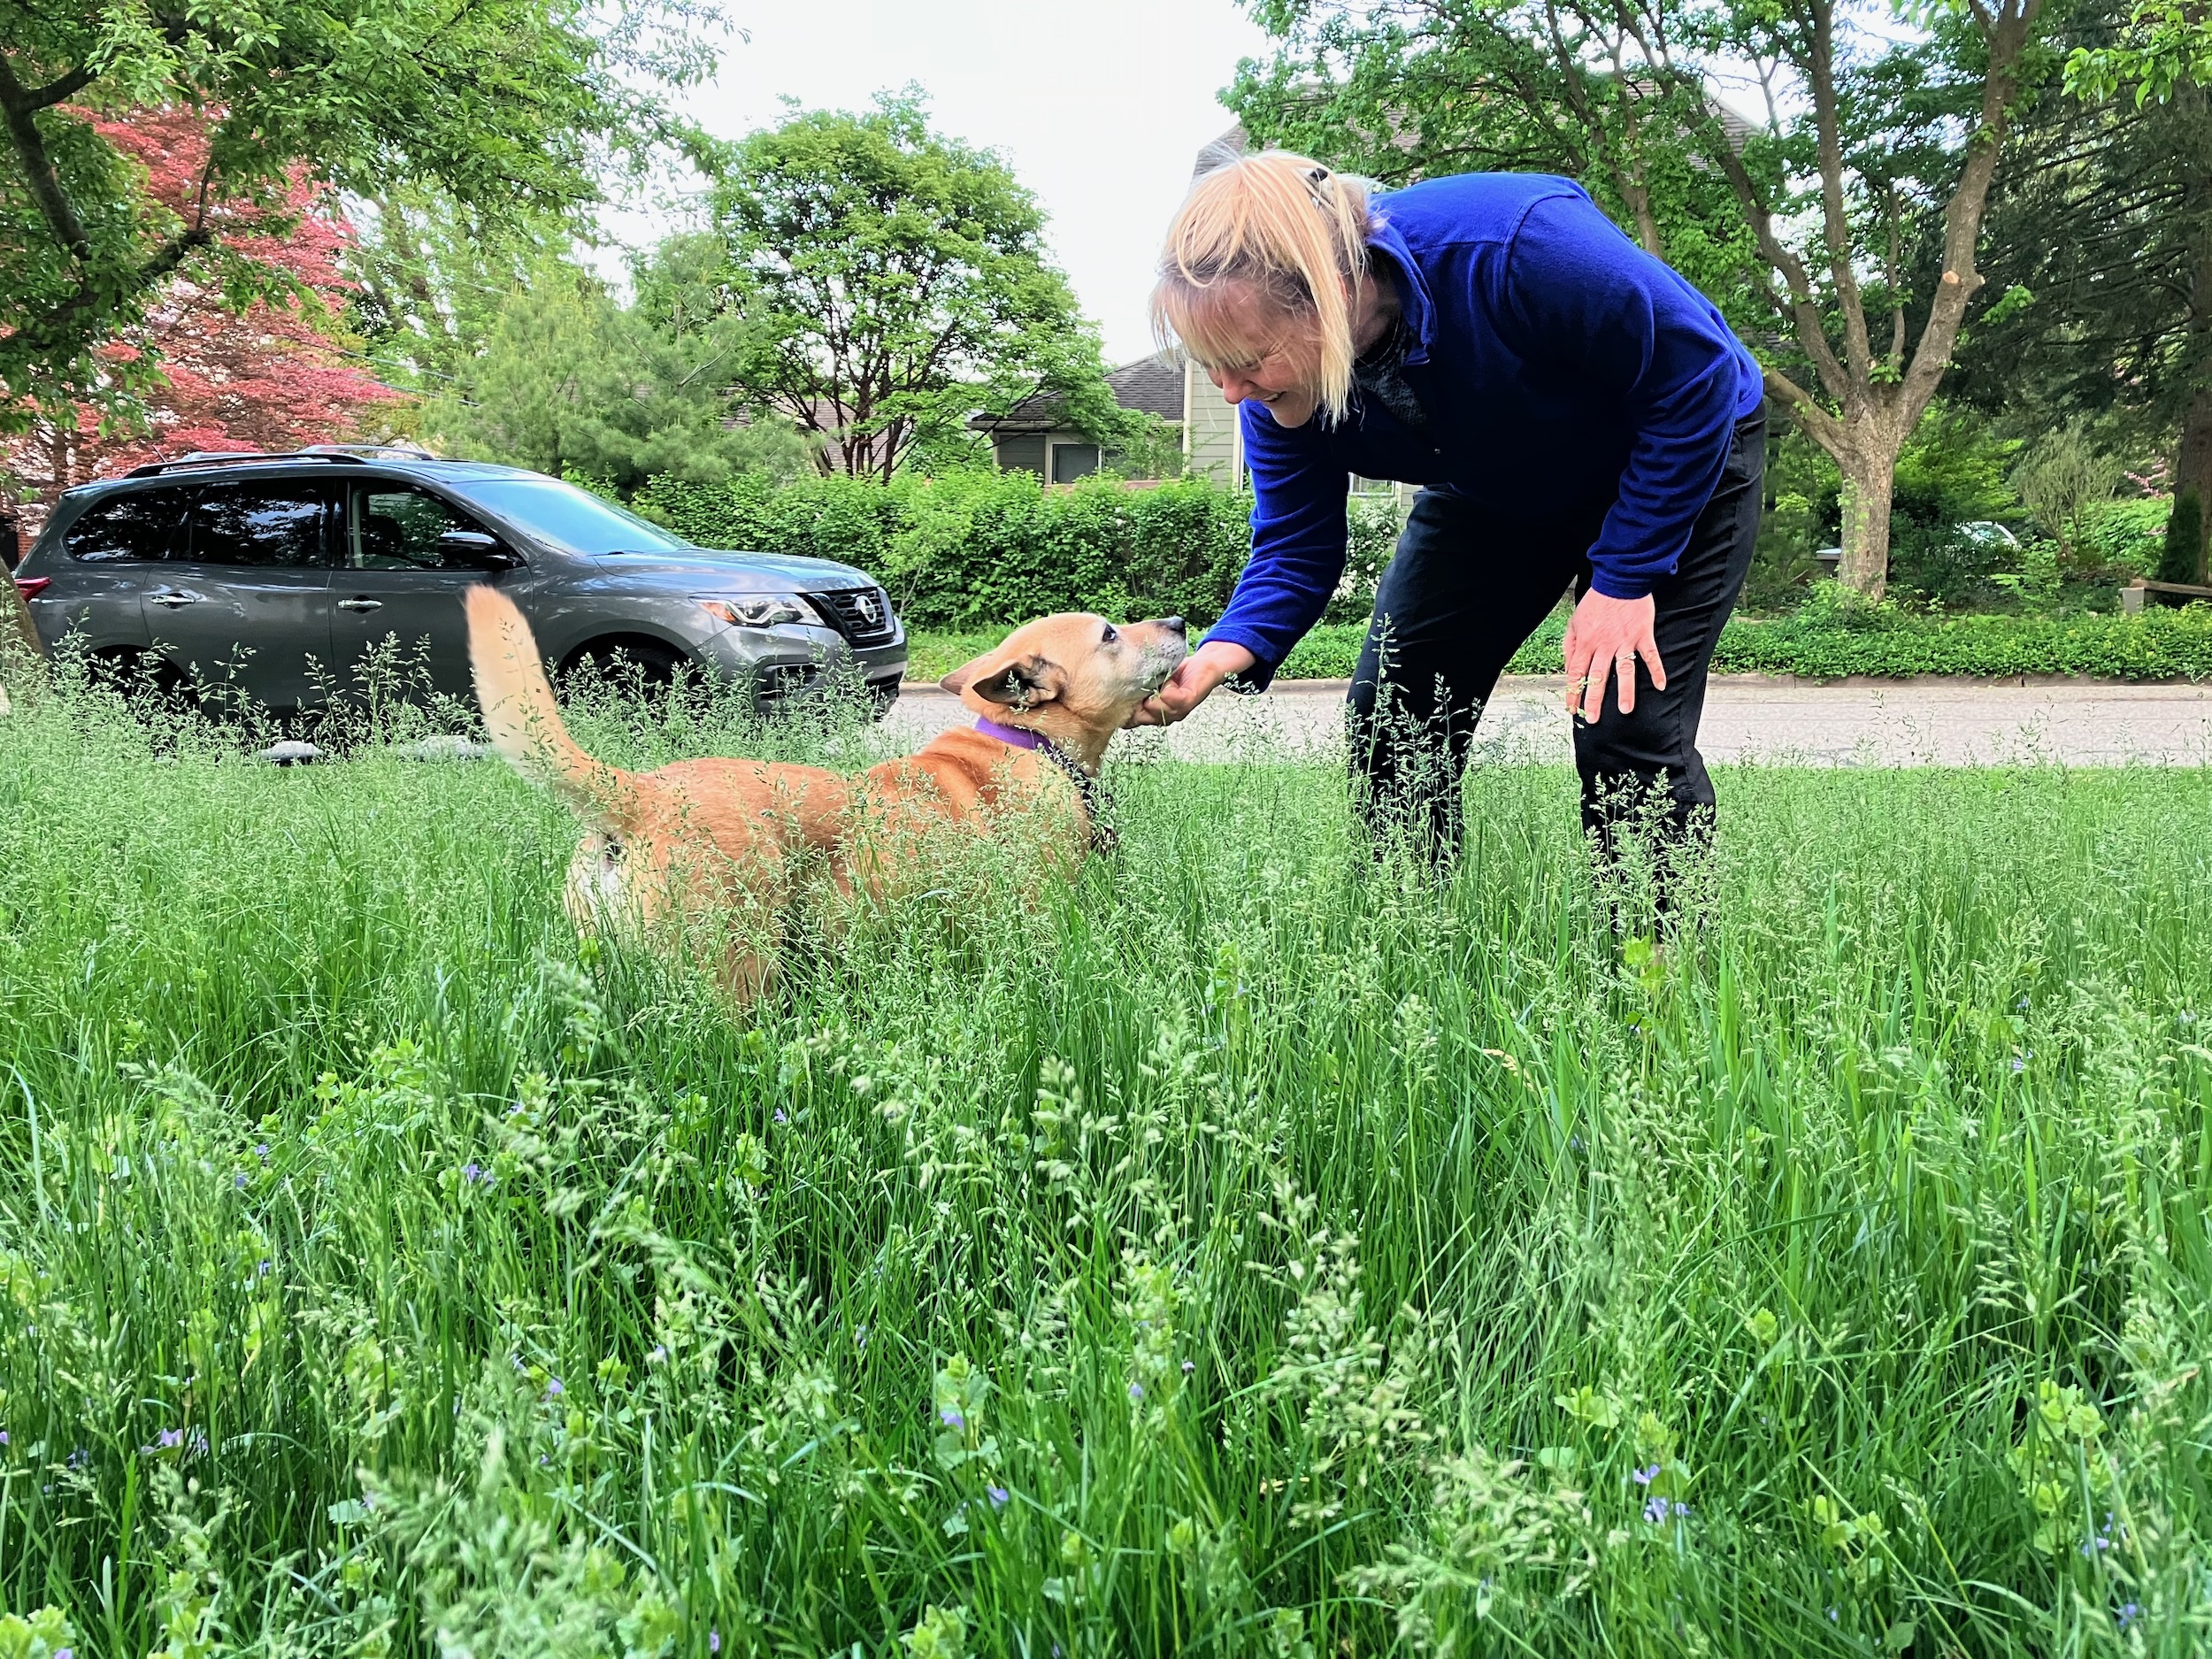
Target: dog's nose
[{"x": 1174, "y": 625}]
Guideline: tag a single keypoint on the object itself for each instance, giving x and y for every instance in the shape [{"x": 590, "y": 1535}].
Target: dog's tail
[{"x": 525, "y": 722}]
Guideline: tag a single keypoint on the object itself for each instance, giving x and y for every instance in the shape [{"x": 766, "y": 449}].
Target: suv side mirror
[{"x": 473, "y": 550}]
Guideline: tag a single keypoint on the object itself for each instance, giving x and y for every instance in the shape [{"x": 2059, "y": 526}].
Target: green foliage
[
  {"x": 510, "y": 105},
  {"x": 386, "y": 1273},
  {"x": 1952, "y": 472},
  {"x": 1833, "y": 641},
  {"x": 2181, "y": 557},
  {"x": 973, "y": 549},
  {"x": 2064, "y": 478},
  {"x": 892, "y": 281},
  {"x": 568, "y": 382},
  {"x": 2127, "y": 536}
]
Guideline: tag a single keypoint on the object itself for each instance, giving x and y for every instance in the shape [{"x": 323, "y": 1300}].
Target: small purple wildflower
[
  {"x": 1655, "y": 1511},
  {"x": 64, "y": 1653},
  {"x": 2019, "y": 1064},
  {"x": 860, "y": 1336},
  {"x": 3, "y": 1437},
  {"x": 1189, "y": 1365},
  {"x": 660, "y": 1353},
  {"x": 553, "y": 1389},
  {"x": 239, "y": 1181},
  {"x": 997, "y": 1495},
  {"x": 714, "y": 1641},
  {"x": 170, "y": 1439},
  {"x": 951, "y": 1418},
  {"x": 472, "y": 1171},
  {"x": 264, "y": 1268},
  {"x": 1136, "y": 1391},
  {"x": 262, "y": 1152},
  {"x": 1681, "y": 1511},
  {"x": 780, "y": 1116},
  {"x": 2128, "y": 1613},
  {"x": 1645, "y": 1477}
]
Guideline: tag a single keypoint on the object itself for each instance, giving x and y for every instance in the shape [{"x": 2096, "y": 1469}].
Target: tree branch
[{"x": 19, "y": 107}]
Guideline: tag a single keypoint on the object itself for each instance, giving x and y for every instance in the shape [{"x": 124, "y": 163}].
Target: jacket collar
[{"x": 1413, "y": 289}]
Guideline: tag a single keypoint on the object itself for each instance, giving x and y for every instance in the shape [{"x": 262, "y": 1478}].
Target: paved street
[{"x": 1890, "y": 723}]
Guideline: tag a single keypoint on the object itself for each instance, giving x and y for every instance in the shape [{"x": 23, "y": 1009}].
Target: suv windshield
[{"x": 574, "y": 518}]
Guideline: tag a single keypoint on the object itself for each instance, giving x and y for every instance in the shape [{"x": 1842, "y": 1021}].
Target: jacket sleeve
[
  {"x": 1299, "y": 500},
  {"x": 1595, "y": 310}
]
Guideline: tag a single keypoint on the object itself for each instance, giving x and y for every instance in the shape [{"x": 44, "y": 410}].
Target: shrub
[
  {"x": 973, "y": 549},
  {"x": 1833, "y": 639},
  {"x": 2128, "y": 535},
  {"x": 2062, "y": 481}
]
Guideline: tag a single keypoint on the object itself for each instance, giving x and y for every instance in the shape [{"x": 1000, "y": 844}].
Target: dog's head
[{"x": 1074, "y": 678}]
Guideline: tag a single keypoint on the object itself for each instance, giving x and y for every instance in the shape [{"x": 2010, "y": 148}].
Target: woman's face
[{"x": 1277, "y": 354}]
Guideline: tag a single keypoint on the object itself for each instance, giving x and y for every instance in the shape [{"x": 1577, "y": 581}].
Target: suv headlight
[{"x": 761, "y": 610}]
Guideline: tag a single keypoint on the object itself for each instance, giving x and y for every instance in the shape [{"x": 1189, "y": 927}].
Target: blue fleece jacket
[{"x": 1559, "y": 366}]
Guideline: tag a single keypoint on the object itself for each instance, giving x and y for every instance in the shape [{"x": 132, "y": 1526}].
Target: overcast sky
[{"x": 1100, "y": 108}]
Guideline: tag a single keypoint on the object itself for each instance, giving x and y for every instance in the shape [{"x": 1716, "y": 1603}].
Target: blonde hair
[{"x": 1287, "y": 227}]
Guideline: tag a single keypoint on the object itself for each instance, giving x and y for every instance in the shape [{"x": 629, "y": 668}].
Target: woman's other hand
[
  {"x": 1604, "y": 639},
  {"x": 1193, "y": 683}
]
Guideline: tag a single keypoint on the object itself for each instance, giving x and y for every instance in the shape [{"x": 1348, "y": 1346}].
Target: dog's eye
[{"x": 1110, "y": 636}]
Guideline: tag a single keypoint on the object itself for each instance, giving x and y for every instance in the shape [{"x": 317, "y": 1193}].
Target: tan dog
[{"x": 718, "y": 842}]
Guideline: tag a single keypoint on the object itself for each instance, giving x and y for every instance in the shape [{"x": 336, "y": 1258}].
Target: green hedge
[
  {"x": 976, "y": 549},
  {"x": 2157, "y": 645}
]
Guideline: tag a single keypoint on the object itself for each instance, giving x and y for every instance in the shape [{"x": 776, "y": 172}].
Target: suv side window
[
  {"x": 397, "y": 528},
  {"x": 139, "y": 527},
  {"x": 277, "y": 524}
]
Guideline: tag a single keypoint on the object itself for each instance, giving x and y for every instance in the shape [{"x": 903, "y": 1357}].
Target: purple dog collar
[
  {"x": 1012, "y": 735},
  {"x": 1102, "y": 836}
]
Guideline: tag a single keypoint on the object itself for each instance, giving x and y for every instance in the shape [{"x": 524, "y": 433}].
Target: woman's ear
[{"x": 1009, "y": 679}]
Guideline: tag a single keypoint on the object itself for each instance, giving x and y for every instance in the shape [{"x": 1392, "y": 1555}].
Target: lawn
[{"x": 1255, "y": 1250}]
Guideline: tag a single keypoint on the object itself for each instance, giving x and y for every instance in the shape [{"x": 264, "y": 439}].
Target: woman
[{"x": 1574, "y": 411}]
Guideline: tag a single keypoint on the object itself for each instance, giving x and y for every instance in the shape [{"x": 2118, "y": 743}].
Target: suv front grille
[{"x": 862, "y": 615}]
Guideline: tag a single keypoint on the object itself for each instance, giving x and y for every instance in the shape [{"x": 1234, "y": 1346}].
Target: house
[{"x": 1033, "y": 436}]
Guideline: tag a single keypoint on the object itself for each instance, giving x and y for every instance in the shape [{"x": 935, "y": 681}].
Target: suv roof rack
[{"x": 313, "y": 452}]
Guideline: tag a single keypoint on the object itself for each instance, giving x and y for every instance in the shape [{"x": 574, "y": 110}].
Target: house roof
[{"x": 1152, "y": 386}]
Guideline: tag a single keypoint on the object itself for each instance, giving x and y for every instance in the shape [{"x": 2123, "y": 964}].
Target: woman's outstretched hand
[
  {"x": 1604, "y": 639},
  {"x": 1193, "y": 683}
]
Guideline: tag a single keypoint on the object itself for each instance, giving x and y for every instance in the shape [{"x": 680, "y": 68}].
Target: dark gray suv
[{"x": 281, "y": 577}]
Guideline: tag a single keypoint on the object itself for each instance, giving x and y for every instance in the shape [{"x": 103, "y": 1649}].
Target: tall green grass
[{"x": 1253, "y": 1250}]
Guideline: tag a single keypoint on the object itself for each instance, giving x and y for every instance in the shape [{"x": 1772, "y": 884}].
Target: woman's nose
[{"x": 1234, "y": 386}]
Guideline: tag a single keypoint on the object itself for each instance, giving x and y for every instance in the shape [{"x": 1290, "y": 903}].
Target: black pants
[{"x": 1468, "y": 586}]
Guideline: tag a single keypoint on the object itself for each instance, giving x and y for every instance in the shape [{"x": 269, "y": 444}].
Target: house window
[
  {"x": 1072, "y": 461},
  {"x": 1372, "y": 485},
  {"x": 1022, "y": 452}
]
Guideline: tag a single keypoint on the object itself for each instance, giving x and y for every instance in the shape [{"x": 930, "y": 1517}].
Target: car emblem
[{"x": 871, "y": 612}]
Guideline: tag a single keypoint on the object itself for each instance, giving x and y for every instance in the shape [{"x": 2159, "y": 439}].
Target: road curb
[{"x": 1748, "y": 682}]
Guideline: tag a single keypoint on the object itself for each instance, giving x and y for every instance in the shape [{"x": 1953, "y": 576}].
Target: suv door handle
[
  {"x": 172, "y": 597},
  {"x": 360, "y": 604}
]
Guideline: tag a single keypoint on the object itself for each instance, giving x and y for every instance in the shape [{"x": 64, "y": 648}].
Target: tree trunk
[
  {"x": 1869, "y": 480},
  {"x": 2193, "y": 467}
]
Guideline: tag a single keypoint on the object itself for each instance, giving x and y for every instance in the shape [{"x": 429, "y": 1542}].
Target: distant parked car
[{"x": 277, "y": 576}]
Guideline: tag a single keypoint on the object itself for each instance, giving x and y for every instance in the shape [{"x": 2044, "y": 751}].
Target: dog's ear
[{"x": 1009, "y": 681}]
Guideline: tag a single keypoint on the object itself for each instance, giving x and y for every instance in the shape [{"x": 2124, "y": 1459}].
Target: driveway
[{"x": 1748, "y": 717}]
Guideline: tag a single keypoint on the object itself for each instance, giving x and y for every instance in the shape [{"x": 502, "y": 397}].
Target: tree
[
  {"x": 1804, "y": 222},
  {"x": 2161, "y": 57},
  {"x": 892, "y": 281},
  {"x": 568, "y": 381},
  {"x": 2181, "y": 559},
  {"x": 268, "y": 376},
  {"x": 514, "y": 104}
]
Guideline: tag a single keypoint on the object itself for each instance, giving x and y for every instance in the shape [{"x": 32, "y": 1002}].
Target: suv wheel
[
  {"x": 129, "y": 670},
  {"x": 618, "y": 662}
]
